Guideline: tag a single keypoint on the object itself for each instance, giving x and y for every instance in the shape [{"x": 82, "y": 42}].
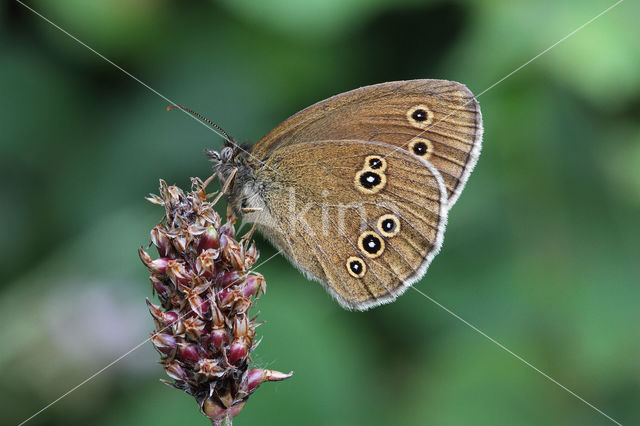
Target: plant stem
[{"x": 226, "y": 421}]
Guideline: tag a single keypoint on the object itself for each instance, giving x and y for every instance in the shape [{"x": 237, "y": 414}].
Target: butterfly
[{"x": 355, "y": 190}]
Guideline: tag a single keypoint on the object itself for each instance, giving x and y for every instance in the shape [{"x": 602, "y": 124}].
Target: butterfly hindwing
[{"x": 365, "y": 220}]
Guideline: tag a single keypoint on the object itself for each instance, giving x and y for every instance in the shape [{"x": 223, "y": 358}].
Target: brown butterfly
[{"x": 355, "y": 189}]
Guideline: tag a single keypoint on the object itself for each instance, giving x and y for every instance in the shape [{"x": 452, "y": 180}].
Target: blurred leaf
[
  {"x": 313, "y": 19},
  {"x": 113, "y": 26}
]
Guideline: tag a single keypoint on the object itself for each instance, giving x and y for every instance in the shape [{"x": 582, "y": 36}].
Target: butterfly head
[
  {"x": 231, "y": 156},
  {"x": 236, "y": 171}
]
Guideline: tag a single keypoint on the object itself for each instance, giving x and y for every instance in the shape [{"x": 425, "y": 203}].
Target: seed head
[{"x": 206, "y": 288}]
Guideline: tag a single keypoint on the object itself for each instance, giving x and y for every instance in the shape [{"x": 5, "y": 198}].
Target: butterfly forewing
[{"x": 435, "y": 120}]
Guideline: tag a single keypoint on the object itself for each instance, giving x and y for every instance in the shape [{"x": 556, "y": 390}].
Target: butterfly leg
[
  {"x": 226, "y": 185},
  {"x": 209, "y": 180},
  {"x": 247, "y": 237}
]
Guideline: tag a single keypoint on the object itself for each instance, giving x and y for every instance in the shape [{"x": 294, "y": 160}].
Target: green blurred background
[{"x": 541, "y": 252}]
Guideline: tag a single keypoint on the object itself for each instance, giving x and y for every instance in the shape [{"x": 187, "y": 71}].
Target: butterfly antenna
[{"x": 206, "y": 120}]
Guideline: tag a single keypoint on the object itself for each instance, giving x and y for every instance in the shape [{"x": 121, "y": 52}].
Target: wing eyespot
[
  {"x": 375, "y": 162},
  {"x": 356, "y": 267},
  {"x": 421, "y": 147},
  {"x": 370, "y": 244},
  {"x": 420, "y": 116},
  {"x": 370, "y": 181},
  {"x": 388, "y": 225}
]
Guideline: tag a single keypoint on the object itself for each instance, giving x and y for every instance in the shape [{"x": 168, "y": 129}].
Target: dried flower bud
[
  {"x": 258, "y": 376},
  {"x": 219, "y": 335},
  {"x": 218, "y": 338},
  {"x": 238, "y": 351},
  {"x": 250, "y": 256},
  {"x": 209, "y": 239},
  {"x": 231, "y": 277},
  {"x": 178, "y": 272},
  {"x": 158, "y": 266},
  {"x": 189, "y": 353},
  {"x": 161, "y": 241},
  {"x": 180, "y": 242},
  {"x": 241, "y": 305},
  {"x": 253, "y": 284},
  {"x": 164, "y": 342},
  {"x": 227, "y": 229},
  {"x": 159, "y": 287},
  {"x": 215, "y": 412},
  {"x": 162, "y": 318},
  {"x": 206, "y": 263},
  {"x": 208, "y": 369},
  {"x": 243, "y": 334},
  {"x": 175, "y": 371},
  {"x": 199, "y": 305},
  {"x": 194, "y": 328},
  {"x": 234, "y": 254},
  {"x": 228, "y": 297}
]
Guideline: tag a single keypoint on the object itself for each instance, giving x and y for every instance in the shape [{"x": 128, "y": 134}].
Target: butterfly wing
[
  {"x": 364, "y": 218},
  {"x": 437, "y": 120}
]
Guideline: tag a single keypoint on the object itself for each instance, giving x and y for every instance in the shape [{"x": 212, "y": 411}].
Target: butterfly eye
[
  {"x": 421, "y": 147},
  {"x": 356, "y": 267},
  {"x": 369, "y": 181},
  {"x": 389, "y": 225},
  {"x": 371, "y": 244},
  {"x": 420, "y": 116},
  {"x": 375, "y": 162},
  {"x": 226, "y": 154}
]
